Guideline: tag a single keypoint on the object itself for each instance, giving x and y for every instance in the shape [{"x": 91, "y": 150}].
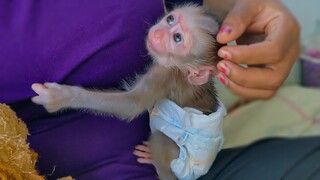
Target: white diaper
[{"x": 199, "y": 136}]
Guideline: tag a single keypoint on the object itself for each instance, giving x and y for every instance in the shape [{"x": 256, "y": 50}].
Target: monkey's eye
[
  {"x": 177, "y": 37},
  {"x": 170, "y": 19}
]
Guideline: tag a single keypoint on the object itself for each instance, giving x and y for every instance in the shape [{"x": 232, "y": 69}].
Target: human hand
[
  {"x": 270, "y": 60},
  {"x": 54, "y": 96}
]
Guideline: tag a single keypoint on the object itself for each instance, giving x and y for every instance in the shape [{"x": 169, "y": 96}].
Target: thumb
[{"x": 237, "y": 21}]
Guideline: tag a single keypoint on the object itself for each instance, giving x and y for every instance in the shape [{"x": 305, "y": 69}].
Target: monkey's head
[{"x": 185, "y": 38}]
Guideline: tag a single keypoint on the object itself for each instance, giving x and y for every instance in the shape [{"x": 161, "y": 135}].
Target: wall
[{"x": 308, "y": 13}]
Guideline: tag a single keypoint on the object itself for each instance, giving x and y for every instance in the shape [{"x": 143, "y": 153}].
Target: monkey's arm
[
  {"x": 126, "y": 104},
  {"x": 55, "y": 96}
]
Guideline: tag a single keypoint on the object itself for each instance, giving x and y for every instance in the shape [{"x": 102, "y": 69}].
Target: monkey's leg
[{"x": 163, "y": 150}]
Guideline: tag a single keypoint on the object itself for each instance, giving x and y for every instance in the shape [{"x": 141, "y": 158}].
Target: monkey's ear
[{"x": 201, "y": 75}]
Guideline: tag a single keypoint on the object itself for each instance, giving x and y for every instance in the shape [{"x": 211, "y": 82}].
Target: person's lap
[
  {"x": 273, "y": 158},
  {"x": 87, "y": 146}
]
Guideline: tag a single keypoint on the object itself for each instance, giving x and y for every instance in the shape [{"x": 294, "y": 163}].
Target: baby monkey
[{"x": 185, "y": 113}]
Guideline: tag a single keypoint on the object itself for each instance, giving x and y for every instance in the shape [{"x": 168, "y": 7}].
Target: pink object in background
[
  {"x": 313, "y": 52},
  {"x": 311, "y": 58}
]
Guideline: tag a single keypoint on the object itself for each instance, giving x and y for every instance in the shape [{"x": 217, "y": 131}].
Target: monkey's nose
[{"x": 157, "y": 35}]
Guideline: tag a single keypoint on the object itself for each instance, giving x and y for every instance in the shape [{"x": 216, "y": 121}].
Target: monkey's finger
[
  {"x": 52, "y": 85},
  {"x": 251, "y": 77},
  {"x": 39, "y": 89},
  {"x": 247, "y": 93},
  {"x": 144, "y": 161},
  {"x": 142, "y": 154},
  {"x": 37, "y": 100},
  {"x": 236, "y": 22},
  {"x": 146, "y": 143},
  {"x": 142, "y": 148}
]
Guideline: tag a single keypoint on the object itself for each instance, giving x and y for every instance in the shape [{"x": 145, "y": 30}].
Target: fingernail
[
  {"x": 224, "y": 54},
  {"x": 222, "y": 79},
  {"x": 225, "y": 29},
  {"x": 224, "y": 69}
]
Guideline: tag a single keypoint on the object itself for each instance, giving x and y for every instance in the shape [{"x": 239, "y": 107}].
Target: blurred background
[
  {"x": 308, "y": 14},
  {"x": 295, "y": 110}
]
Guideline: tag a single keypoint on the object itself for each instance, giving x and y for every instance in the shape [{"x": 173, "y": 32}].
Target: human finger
[
  {"x": 281, "y": 31},
  {"x": 236, "y": 22},
  {"x": 251, "y": 77},
  {"x": 258, "y": 53},
  {"x": 247, "y": 93}
]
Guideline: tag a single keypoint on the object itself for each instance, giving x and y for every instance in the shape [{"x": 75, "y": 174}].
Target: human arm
[{"x": 270, "y": 60}]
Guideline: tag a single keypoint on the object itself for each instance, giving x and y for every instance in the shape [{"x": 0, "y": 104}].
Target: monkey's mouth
[{"x": 151, "y": 48}]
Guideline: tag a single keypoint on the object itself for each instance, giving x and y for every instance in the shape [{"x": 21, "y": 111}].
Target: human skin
[{"x": 267, "y": 37}]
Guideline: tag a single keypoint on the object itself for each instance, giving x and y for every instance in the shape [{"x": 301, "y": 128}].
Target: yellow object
[{"x": 17, "y": 160}]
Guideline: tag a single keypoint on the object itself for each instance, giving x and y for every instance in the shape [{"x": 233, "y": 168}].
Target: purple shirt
[{"x": 95, "y": 44}]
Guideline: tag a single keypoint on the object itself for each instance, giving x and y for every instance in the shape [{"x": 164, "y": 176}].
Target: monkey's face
[
  {"x": 169, "y": 38},
  {"x": 184, "y": 38}
]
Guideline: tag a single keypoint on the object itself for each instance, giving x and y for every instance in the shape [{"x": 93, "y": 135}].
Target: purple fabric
[{"x": 94, "y": 44}]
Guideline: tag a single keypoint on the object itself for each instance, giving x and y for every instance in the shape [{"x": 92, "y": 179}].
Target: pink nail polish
[
  {"x": 225, "y": 29},
  {"x": 225, "y": 54},
  {"x": 222, "y": 79},
  {"x": 224, "y": 69}
]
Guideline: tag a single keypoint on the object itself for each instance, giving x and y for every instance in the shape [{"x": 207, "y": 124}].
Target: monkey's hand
[
  {"x": 143, "y": 153},
  {"x": 54, "y": 96}
]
